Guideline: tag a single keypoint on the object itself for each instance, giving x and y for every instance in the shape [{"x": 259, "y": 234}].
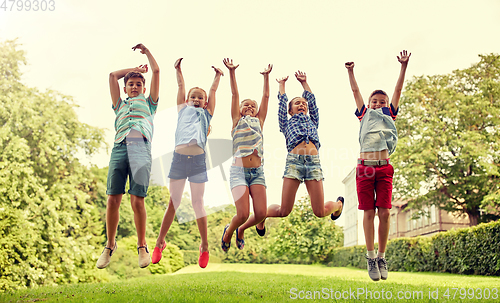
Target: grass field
[{"x": 273, "y": 283}]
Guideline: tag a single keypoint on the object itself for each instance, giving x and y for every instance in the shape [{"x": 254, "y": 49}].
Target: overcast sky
[{"x": 74, "y": 48}]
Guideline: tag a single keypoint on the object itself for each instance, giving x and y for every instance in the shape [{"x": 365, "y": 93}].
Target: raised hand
[
  {"x": 177, "y": 64},
  {"x": 405, "y": 57},
  {"x": 142, "y": 68},
  {"x": 267, "y": 70},
  {"x": 349, "y": 65},
  {"x": 282, "y": 80},
  {"x": 301, "y": 76},
  {"x": 218, "y": 71},
  {"x": 229, "y": 64},
  {"x": 141, "y": 47}
]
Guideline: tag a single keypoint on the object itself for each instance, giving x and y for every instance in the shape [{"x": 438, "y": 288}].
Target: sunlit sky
[{"x": 74, "y": 48}]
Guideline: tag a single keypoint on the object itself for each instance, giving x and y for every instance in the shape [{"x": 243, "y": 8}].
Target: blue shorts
[
  {"x": 303, "y": 167},
  {"x": 246, "y": 176},
  {"x": 130, "y": 160},
  {"x": 192, "y": 167}
]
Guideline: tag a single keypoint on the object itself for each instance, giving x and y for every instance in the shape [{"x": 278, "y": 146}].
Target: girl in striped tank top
[{"x": 247, "y": 173}]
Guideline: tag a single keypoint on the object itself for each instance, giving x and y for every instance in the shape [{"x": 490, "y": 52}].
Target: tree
[
  {"x": 303, "y": 235},
  {"x": 49, "y": 229},
  {"x": 448, "y": 153}
]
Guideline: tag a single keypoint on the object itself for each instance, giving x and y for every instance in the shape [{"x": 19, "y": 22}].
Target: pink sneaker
[
  {"x": 203, "y": 260},
  {"x": 157, "y": 253}
]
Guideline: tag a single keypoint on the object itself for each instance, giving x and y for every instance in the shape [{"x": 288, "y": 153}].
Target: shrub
[{"x": 473, "y": 250}]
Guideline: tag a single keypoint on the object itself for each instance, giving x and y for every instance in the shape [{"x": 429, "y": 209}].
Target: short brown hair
[
  {"x": 134, "y": 75},
  {"x": 378, "y": 92}
]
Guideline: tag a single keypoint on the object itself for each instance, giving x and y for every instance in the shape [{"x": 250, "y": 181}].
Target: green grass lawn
[{"x": 272, "y": 283}]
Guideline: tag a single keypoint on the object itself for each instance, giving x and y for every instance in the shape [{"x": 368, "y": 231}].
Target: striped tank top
[{"x": 247, "y": 137}]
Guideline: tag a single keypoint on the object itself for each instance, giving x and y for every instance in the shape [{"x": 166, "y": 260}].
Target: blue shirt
[
  {"x": 192, "y": 123},
  {"x": 134, "y": 113},
  {"x": 300, "y": 127},
  {"x": 377, "y": 131}
]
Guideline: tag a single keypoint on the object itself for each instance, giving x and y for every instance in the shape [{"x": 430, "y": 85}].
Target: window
[
  {"x": 433, "y": 214},
  {"x": 408, "y": 221},
  {"x": 426, "y": 217},
  {"x": 392, "y": 228}
]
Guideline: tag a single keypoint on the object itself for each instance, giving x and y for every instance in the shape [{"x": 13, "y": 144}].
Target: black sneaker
[{"x": 333, "y": 217}]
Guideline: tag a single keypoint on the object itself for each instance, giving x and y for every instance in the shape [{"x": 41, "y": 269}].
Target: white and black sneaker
[
  {"x": 373, "y": 270},
  {"x": 382, "y": 267}
]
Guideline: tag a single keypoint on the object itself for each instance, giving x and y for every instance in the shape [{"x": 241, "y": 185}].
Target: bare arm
[
  {"x": 301, "y": 77},
  {"x": 213, "y": 90},
  {"x": 155, "y": 69},
  {"x": 354, "y": 86},
  {"x": 235, "y": 100},
  {"x": 114, "y": 87},
  {"x": 405, "y": 57},
  {"x": 281, "y": 82},
  {"x": 265, "y": 96},
  {"x": 181, "y": 90}
]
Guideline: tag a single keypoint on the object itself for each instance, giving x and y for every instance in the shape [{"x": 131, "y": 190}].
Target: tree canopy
[
  {"x": 448, "y": 152},
  {"x": 49, "y": 227}
]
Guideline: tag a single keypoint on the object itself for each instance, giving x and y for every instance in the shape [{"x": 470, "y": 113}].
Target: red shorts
[{"x": 371, "y": 180}]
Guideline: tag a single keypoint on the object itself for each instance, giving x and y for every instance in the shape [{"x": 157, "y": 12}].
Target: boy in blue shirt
[
  {"x": 378, "y": 138},
  {"x": 131, "y": 154}
]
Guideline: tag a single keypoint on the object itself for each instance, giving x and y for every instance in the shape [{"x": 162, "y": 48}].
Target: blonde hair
[
  {"x": 256, "y": 105},
  {"x": 196, "y": 87}
]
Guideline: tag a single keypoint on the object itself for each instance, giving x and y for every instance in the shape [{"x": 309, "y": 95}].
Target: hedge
[{"x": 474, "y": 250}]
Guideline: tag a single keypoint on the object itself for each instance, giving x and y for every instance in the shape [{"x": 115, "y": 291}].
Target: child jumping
[
  {"x": 378, "y": 138},
  {"x": 302, "y": 161},
  {"x": 194, "y": 116},
  {"x": 131, "y": 154},
  {"x": 247, "y": 172}
]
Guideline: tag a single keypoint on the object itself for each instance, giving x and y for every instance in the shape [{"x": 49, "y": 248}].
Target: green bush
[{"x": 473, "y": 250}]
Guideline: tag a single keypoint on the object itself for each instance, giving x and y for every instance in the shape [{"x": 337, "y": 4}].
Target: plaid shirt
[{"x": 299, "y": 127}]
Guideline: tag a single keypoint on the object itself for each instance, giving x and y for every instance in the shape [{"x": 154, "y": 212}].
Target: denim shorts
[
  {"x": 303, "y": 167},
  {"x": 246, "y": 176},
  {"x": 192, "y": 167},
  {"x": 130, "y": 160}
]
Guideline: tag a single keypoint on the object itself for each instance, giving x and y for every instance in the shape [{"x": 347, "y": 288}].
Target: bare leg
[
  {"x": 383, "y": 228},
  {"x": 197, "y": 191},
  {"x": 369, "y": 228},
  {"x": 320, "y": 209},
  {"x": 112, "y": 218},
  {"x": 259, "y": 200},
  {"x": 176, "y": 189},
  {"x": 288, "y": 192},
  {"x": 139, "y": 218},
  {"x": 241, "y": 196}
]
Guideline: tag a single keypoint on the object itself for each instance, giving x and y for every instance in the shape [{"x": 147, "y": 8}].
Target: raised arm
[
  {"x": 155, "y": 79},
  {"x": 235, "y": 100},
  {"x": 283, "y": 100},
  {"x": 354, "y": 86},
  {"x": 281, "y": 83},
  {"x": 405, "y": 57},
  {"x": 114, "y": 87},
  {"x": 181, "y": 88},
  {"x": 213, "y": 90},
  {"x": 301, "y": 77},
  {"x": 265, "y": 96}
]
